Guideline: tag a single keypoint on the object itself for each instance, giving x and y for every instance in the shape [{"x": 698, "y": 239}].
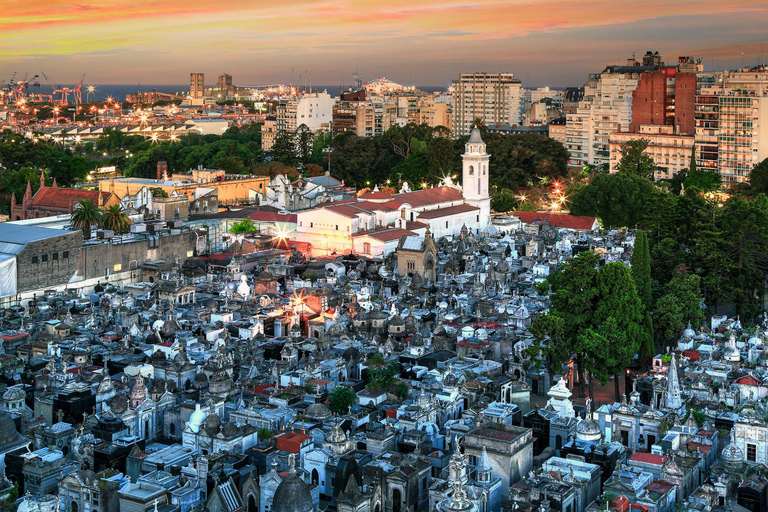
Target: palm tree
[
  {"x": 84, "y": 215},
  {"x": 115, "y": 219}
]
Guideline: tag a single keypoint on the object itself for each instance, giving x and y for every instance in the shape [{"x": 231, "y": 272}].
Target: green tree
[
  {"x": 758, "y": 178},
  {"x": 503, "y": 201},
  {"x": 304, "y": 144},
  {"x": 158, "y": 192},
  {"x": 284, "y": 148},
  {"x": 635, "y": 161},
  {"x": 114, "y": 218},
  {"x": 618, "y": 318},
  {"x": 84, "y": 215},
  {"x": 618, "y": 200},
  {"x": 243, "y": 226},
  {"x": 264, "y": 433},
  {"x": 341, "y": 399},
  {"x": 641, "y": 269},
  {"x": 679, "y": 306}
]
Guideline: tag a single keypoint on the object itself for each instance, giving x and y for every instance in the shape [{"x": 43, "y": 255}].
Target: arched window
[
  {"x": 471, "y": 170},
  {"x": 73, "y": 507}
]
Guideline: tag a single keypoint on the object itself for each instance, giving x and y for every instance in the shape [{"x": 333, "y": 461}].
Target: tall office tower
[
  {"x": 196, "y": 85},
  {"x": 494, "y": 98}
]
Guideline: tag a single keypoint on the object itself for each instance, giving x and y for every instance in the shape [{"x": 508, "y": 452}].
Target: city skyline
[{"x": 552, "y": 43}]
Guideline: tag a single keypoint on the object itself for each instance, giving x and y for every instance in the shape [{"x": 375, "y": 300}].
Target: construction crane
[{"x": 77, "y": 96}]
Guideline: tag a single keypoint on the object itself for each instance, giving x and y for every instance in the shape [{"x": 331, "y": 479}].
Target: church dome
[
  {"x": 474, "y": 137},
  {"x": 689, "y": 332},
  {"x": 732, "y": 455},
  {"x": 450, "y": 379},
  {"x": 317, "y": 412},
  {"x": 14, "y": 394},
  {"x": 212, "y": 424},
  {"x": 7, "y": 429},
  {"x": 292, "y": 495},
  {"x": 119, "y": 404},
  {"x": 397, "y": 320},
  {"x": 158, "y": 358},
  {"x": 588, "y": 430},
  {"x": 351, "y": 354}
]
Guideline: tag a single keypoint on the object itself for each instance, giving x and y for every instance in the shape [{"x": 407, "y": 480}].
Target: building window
[
  {"x": 311, "y": 224},
  {"x": 446, "y": 224},
  {"x": 44, "y": 257},
  {"x": 411, "y": 265},
  {"x": 471, "y": 170},
  {"x": 366, "y": 248},
  {"x": 34, "y": 259},
  {"x": 65, "y": 254},
  {"x": 55, "y": 256},
  {"x": 337, "y": 227},
  {"x": 751, "y": 452}
]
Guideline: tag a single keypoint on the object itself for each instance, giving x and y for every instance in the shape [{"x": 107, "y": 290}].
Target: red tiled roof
[
  {"x": 426, "y": 197},
  {"x": 747, "y": 380},
  {"x": 445, "y": 212},
  {"x": 693, "y": 355},
  {"x": 263, "y": 216},
  {"x": 703, "y": 447},
  {"x": 346, "y": 210},
  {"x": 377, "y": 194},
  {"x": 386, "y": 234},
  {"x": 371, "y": 207},
  {"x": 63, "y": 198},
  {"x": 414, "y": 224},
  {"x": 558, "y": 220},
  {"x": 649, "y": 458}
]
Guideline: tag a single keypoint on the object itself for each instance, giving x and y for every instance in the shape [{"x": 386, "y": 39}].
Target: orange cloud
[{"x": 170, "y": 34}]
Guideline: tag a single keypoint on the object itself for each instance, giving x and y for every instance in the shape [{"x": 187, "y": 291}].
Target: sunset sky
[{"x": 424, "y": 42}]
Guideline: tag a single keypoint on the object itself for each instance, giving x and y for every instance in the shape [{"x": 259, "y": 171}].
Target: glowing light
[
  {"x": 173, "y": 137},
  {"x": 90, "y": 88}
]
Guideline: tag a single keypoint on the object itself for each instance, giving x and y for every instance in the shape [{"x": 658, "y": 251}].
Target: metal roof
[{"x": 11, "y": 234}]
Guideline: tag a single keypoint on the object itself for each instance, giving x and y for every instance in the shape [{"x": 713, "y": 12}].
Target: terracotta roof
[
  {"x": 447, "y": 212},
  {"x": 649, "y": 458},
  {"x": 385, "y": 234},
  {"x": 63, "y": 198},
  {"x": 747, "y": 380},
  {"x": 263, "y": 216},
  {"x": 558, "y": 220},
  {"x": 426, "y": 197},
  {"x": 414, "y": 224},
  {"x": 378, "y": 194}
]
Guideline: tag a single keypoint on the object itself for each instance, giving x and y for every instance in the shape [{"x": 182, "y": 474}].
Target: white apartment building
[
  {"x": 732, "y": 121},
  {"x": 495, "y": 98},
  {"x": 670, "y": 151},
  {"x": 313, "y": 109},
  {"x": 606, "y": 108}
]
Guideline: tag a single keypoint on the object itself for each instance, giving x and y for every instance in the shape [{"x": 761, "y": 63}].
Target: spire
[
  {"x": 673, "y": 399},
  {"x": 42, "y": 179},
  {"x": 27, "y": 193},
  {"x": 54, "y": 182}
]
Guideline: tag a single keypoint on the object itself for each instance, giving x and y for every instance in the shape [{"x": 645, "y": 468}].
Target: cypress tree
[
  {"x": 692, "y": 166},
  {"x": 646, "y": 345},
  {"x": 641, "y": 269}
]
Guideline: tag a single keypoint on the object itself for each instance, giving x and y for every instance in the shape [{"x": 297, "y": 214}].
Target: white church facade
[{"x": 373, "y": 223}]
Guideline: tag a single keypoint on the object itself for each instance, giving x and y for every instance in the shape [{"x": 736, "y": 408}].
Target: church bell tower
[{"x": 475, "y": 177}]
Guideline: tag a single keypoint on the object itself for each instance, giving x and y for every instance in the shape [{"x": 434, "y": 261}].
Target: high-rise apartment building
[
  {"x": 606, "y": 108},
  {"x": 665, "y": 97},
  {"x": 196, "y": 85},
  {"x": 732, "y": 121},
  {"x": 494, "y": 98}
]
